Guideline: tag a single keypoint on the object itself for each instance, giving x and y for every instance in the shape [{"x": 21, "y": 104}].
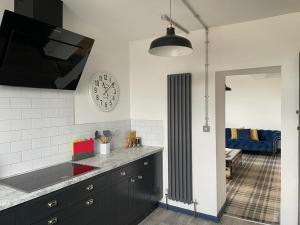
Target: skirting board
[{"x": 191, "y": 213}]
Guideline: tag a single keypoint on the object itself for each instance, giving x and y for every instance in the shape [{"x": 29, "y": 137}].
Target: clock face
[{"x": 105, "y": 91}]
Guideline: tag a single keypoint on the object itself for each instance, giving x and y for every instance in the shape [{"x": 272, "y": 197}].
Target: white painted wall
[
  {"x": 244, "y": 45},
  {"x": 109, "y": 54},
  {"x": 254, "y": 102}
]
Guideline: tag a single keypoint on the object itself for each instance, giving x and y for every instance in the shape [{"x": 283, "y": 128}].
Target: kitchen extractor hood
[{"x": 40, "y": 55}]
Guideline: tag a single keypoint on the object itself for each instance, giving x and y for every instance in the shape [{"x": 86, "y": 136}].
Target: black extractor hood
[{"x": 38, "y": 54}]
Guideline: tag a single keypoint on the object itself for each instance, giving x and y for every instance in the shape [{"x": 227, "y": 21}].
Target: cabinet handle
[
  {"x": 140, "y": 177},
  {"x": 146, "y": 163},
  {"x": 90, "y": 187},
  {"x": 123, "y": 173},
  {"x": 132, "y": 180},
  {"x": 52, "y": 204},
  {"x": 52, "y": 221},
  {"x": 89, "y": 202}
]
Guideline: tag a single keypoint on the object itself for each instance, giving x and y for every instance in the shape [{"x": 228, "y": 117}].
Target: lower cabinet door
[
  {"x": 142, "y": 193},
  {"x": 122, "y": 202},
  {"x": 7, "y": 218},
  {"x": 84, "y": 212}
]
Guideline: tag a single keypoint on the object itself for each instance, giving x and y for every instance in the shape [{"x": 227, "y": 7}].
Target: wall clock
[{"x": 105, "y": 91}]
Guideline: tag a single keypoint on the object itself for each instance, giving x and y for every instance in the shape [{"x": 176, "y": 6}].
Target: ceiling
[{"x": 139, "y": 19}]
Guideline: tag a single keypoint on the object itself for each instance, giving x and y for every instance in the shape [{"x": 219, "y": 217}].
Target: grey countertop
[{"x": 10, "y": 197}]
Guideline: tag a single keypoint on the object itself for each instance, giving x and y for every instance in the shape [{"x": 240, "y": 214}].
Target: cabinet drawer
[
  {"x": 123, "y": 172},
  {"x": 44, "y": 206},
  {"x": 80, "y": 213},
  {"x": 145, "y": 163}
]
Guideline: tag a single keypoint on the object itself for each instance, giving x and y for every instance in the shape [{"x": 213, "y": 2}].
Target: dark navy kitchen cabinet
[
  {"x": 123, "y": 196},
  {"x": 7, "y": 218}
]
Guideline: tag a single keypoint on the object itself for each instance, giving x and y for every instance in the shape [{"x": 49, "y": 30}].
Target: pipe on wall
[{"x": 206, "y": 127}]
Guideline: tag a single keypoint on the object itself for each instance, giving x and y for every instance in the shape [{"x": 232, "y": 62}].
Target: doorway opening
[{"x": 249, "y": 117}]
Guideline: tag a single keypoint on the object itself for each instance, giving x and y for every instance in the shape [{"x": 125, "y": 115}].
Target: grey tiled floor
[{"x": 166, "y": 217}]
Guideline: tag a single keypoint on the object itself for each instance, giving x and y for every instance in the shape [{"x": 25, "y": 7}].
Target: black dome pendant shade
[{"x": 170, "y": 45}]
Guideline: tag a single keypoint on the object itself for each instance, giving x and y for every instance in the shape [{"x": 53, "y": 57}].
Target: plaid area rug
[{"x": 254, "y": 191}]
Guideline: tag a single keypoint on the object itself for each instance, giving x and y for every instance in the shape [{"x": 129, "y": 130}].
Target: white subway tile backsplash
[
  {"x": 4, "y": 125},
  {"x": 66, "y": 112},
  {"x": 5, "y": 148},
  {"x": 37, "y": 129},
  {"x": 50, "y": 131},
  {"x": 39, "y": 103},
  {"x": 48, "y": 151},
  {"x": 151, "y": 131},
  {"x": 10, "y": 158},
  {"x": 41, "y": 163},
  {"x": 20, "y": 124},
  {"x": 32, "y": 133},
  {"x": 5, "y": 171},
  {"x": 10, "y": 136},
  {"x": 57, "y": 140},
  {"x": 21, "y": 167},
  {"x": 4, "y": 103},
  {"x": 20, "y": 103},
  {"x": 39, "y": 123},
  {"x": 20, "y": 146},
  {"x": 31, "y": 154},
  {"x": 40, "y": 142},
  {"x": 31, "y": 113},
  {"x": 62, "y": 157},
  {"x": 50, "y": 113},
  {"x": 10, "y": 114},
  {"x": 65, "y": 148}
]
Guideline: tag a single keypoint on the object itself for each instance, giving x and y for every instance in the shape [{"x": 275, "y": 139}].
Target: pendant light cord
[{"x": 171, "y": 13}]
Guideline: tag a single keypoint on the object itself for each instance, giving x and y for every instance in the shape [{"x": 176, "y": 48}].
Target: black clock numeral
[
  {"x": 110, "y": 103},
  {"x": 105, "y": 104},
  {"x": 105, "y": 77},
  {"x": 95, "y": 90},
  {"x": 113, "y": 85},
  {"x": 97, "y": 97},
  {"x": 101, "y": 102},
  {"x": 97, "y": 83}
]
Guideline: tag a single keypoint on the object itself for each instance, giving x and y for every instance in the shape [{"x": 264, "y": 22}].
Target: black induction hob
[{"x": 42, "y": 178}]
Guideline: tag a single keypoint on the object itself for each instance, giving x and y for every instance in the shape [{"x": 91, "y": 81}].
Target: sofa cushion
[
  {"x": 250, "y": 145},
  {"x": 254, "y": 135},
  {"x": 234, "y": 133},
  {"x": 243, "y": 134}
]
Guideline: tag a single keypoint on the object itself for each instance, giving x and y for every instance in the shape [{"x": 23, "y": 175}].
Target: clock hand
[
  {"x": 103, "y": 85},
  {"x": 106, "y": 89},
  {"x": 109, "y": 87}
]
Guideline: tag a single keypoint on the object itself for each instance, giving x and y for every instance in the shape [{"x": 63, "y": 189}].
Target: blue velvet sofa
[{"x": 268, "y": 141}]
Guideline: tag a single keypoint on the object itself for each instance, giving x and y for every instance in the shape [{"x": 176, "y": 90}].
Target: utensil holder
[{"x": 105, "y": 149}]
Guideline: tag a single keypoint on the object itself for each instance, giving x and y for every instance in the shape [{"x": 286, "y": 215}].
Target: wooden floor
[{"x": 166, "y": 217}]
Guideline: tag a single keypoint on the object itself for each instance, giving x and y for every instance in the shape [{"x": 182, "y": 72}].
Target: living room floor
[{"x": 253, "y": 193}]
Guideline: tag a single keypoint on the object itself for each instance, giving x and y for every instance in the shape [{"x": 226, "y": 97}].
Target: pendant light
[{"x": 171, "y": 44}]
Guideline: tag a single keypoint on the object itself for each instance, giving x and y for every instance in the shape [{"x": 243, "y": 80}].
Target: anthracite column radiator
[{"x": 180, "y": 137}]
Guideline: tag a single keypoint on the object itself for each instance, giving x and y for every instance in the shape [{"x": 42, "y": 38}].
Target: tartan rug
[{"x": 254, "y": 191}]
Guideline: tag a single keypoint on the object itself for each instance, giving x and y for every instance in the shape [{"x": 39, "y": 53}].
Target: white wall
[
  {"x": 254, "y": 102},
  {"x": 245, "y": 45},
  {"x": 109, "y": 54}
]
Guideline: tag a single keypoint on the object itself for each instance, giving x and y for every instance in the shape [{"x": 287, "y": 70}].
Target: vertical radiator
[{"x": 180, "y": 138}]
